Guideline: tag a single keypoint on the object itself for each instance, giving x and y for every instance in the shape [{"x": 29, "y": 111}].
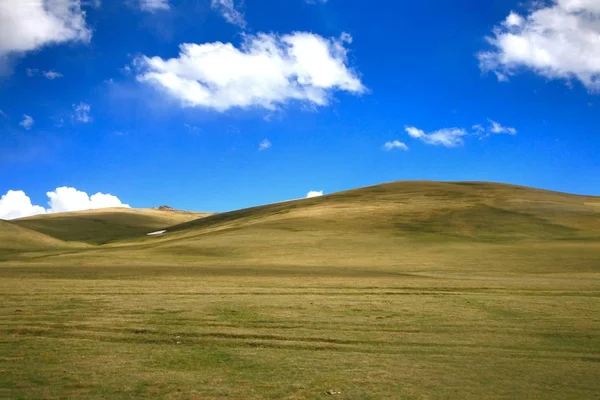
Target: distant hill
[
  {"x": 105, "y": 225},
  {"x": 17, "y": 238},
  {"x": 410, "y": 223}
]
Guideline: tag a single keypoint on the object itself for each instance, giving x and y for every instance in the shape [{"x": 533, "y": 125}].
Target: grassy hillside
[
  {"x": 427, "y": 210},
  {"x": 381, "y": 226},
  {"x": 416, "y": 290},
  {"x": 105, "y": 225},
  {"x": 14, "y": 239}
]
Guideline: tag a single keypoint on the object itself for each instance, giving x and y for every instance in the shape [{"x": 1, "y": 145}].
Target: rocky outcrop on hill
[{"x": 165, "y": 208}]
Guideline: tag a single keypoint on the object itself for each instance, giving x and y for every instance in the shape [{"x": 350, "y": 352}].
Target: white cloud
[
  {"x": 264, "y": 145},
  {"x": 31, "y": 72},
  {"x": 27, "y": 122},
  {"x": 3, "y": 114},
  {"x": 229, "y": 11},
  {"x": 81, "y": 113},
  {"x": 192, "y": 128},
  {"x": 52, "y": 75},
  {"x": 16, "y": 204},
  {"x": 314, "y": 193},
  {"x": 560, "y": 40},
  {"x": 266, "y": 71},
  {"x": 498, "y": 128},
  {"x": 70, "y": 199},
  {"x": 479, "y": 129},
  {"x": 154, "y": 5},
  {"x": 395, "y": 144},
  {"x": 32, "y": 24},
  {"x": 448, "y": 137}
]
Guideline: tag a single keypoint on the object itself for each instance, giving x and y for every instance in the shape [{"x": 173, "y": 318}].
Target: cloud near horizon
[
  {"x": 266, "y": 71},
  {"x": 560, "y": 40},
  {"x": 314, "y": 193},
  {"x": 16, "y": 204}
]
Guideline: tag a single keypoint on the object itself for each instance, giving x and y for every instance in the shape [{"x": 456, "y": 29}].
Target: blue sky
[{"x": 272, "y": 99}]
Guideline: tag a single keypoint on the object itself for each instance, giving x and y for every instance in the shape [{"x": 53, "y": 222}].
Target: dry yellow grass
[
  {"x": 105, "y": 225},
  {"x": 406, "y": 290}
]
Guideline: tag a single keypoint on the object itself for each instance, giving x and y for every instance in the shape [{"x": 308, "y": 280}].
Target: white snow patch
[{"x": 156, "y": 233}]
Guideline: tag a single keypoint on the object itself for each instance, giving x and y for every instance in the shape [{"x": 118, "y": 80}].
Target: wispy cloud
[
  {"x": 192, "y": 128},
  {"x": 81, "y": 113},
  {"x": 31, "y": 72},
  {"x": 27, "y": 121},
  {"x": 52, "y": 75},
  {"x": 264, "y": 145},
  {"x": 497, "y": 128},
  {"x": 447, "y": 137},
  {"x": 154, "y": 5},
  {"x": 3, "y": 114},
  {"x": 395, "y": 144},
  {"x": 229, "y": 11},
  {"x": 454, "y": 137},
  {"x": 493, "y": 128}
]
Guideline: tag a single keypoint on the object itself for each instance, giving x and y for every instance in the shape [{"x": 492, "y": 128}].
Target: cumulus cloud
[
  {"x": 448, "y": 137},
  {"x": 27, "y": 122},
  {"x": 557, "y": 40},
  {"x": 229, "y": 11},
  {"x": 32, "y": 24},
  {"x": 264, "y": 145},
  {"x": 314, "y": 193},
  {"x": 16, "y": 204},
  {"x": 81, "y": 113},
  {"x": 266, "y": 71},
  {"x": 154, "y": 5},
  {"x": 70, "y": 199},
  {"x": 395, "y": 144}
]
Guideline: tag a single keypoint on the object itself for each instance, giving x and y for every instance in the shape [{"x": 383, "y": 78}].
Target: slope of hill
[
  {"x": 425, "y": 210},
  {"x": 105, "y": 225},
  {"x": 16, "y": 238},
  {"x": 384, "y": 226}
]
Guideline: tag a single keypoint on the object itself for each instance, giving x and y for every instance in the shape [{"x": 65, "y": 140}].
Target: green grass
[{"x": 406, "y": 290}]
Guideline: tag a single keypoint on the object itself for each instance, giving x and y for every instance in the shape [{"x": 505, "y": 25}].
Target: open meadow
[{"x": 403, "y": 290}]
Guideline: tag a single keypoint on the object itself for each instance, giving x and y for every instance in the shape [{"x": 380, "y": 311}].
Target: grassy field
[{"x": 405, "y": 290}]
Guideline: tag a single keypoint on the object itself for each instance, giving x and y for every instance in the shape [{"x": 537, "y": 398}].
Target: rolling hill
[
  {"x": 15, "y": 238},
  {"x": 403, "y": 290},
  {"x": 471, "y": 211},
  {"x": 105, "y": 225},
  {"x": 382, "y": 226}
]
